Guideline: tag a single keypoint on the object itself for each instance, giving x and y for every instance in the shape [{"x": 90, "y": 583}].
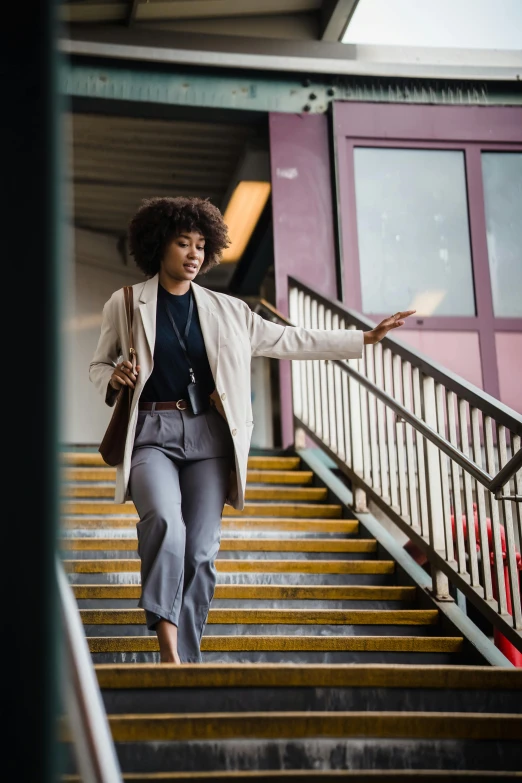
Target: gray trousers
[{"x": 178, "y": 481}]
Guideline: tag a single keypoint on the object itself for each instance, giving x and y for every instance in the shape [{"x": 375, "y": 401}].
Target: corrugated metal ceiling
[
  {"x": 118, "y": 161},
  {"x": 277, "y": 18}
]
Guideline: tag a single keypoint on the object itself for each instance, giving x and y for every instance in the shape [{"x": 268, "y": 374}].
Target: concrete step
[
  {"x": 255, "y": 548},
  {"x": 261, "y": 597},
  {"x": 269, "y": 493},
  {"x": 340, "y": 752},
  {"x": 254, "y": 647},
  {"x": 244, "y": 525},
  {"x": 259, "y": 617},
  {"x": 397, "y": 656},
  {"x": 125, "y": 553},
  {"x": 284, "y": 622},
  {"x": 107, "y": 474},
  {"x": 232, "y": 525},
  {"x": 279, "y": 616},
  {"x": 237, "y": 544},
  {"x": 318, "y": 776},
  {"x": 264, "y": 592},
  {"x": 313, "y": 660},
  {"x": 284, "y": 629},
  {"x": 398, "y": 740},
  {"x": 179, "y": 727},
  {"x": 94, "y": 460},
  {"x": 245, "y": 578},
  {"x": 231, "y": 687},
  {"x": 292, "y": 510},
  {"x": 258, "y": 566}
]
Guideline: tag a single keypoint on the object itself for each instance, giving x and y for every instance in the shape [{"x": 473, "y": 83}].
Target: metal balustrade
[
  {"x": 430, "y": 449},
  {"x": 87, "y": 720}
]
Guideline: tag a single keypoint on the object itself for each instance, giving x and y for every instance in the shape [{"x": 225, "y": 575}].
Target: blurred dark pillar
[{"x": 29, "y": 261}]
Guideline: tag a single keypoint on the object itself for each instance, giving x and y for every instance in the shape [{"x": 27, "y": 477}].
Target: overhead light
[
  {"x": 427, "y": 302},
  {"x": 242, "y": 214}
]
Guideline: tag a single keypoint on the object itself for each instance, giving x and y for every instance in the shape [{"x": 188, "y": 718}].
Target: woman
[{"x": 180, "y": 467}]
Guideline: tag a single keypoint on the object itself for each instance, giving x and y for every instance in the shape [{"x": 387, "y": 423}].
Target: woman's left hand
[{"x": 380, "y": 331}]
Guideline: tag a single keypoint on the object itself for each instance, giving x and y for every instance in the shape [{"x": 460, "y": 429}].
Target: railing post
[
  {"x": 299, "y": 438},
  {"x": 351, "y": 432},
  {"x": 440, "y": 585},
  {"x": 359, "y": 495}
]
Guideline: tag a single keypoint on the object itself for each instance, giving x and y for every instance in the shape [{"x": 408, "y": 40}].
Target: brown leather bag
[{"x": 112, "y": 447}]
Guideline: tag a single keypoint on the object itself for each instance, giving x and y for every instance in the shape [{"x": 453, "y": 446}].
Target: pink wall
[
  {"x": 304, "y": 238},
  {"x": 488, "y": 351},
  {"x": 509, "y": 361},
  {"x": 458, "y": 351},
  {"x": 303, "y": 218}
]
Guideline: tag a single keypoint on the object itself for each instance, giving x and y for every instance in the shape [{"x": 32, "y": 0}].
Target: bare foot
[
  {"x": 169, "y": 658},
  {"x": 168, "y": 642}
]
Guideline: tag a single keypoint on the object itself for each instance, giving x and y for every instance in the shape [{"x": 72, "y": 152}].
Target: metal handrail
[
  {"x": 94, "y": 747},
  {"x": 453, "y": 382},
  {"x": 426, "y": 476},
  {"x": 493, "y": 484}
]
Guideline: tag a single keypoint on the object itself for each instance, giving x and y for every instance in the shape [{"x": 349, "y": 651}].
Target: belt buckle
[{"x": 178, "y": 406}]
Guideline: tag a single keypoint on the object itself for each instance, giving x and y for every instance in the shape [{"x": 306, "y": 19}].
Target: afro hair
[{"x": 160, "y": 220}]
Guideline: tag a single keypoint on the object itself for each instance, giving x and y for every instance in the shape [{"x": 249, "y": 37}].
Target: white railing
[
  {"x": 91, "y": 737},
  {"x": 432, "y": 450}
]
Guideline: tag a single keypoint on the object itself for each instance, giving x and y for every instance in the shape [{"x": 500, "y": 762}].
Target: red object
[
  {"x": 507, "y": 649},
  {"x": 416, "y": 553}
]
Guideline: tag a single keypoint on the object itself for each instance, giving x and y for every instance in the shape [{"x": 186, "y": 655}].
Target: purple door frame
[
  {"x": 469, "y": 129},
  {"x": 303, "y": 220}
]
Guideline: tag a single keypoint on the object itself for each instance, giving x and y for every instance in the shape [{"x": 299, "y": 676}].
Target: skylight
[{"x": 463, "y": 24}]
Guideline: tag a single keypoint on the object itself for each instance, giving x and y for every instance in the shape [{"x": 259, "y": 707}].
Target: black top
[{"x": 170, "y": 376}]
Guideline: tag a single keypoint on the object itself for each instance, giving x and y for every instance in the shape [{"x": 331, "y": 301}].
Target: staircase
[{"x": 321, "y": 657}]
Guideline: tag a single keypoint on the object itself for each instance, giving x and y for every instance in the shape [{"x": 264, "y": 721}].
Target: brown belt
[{"x": 180, "y": 405}]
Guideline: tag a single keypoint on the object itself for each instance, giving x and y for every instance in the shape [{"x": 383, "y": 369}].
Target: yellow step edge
[
  {"x": 354, "y": 546},
  {"x": 314, "y": 776},
  {"x": 253, "y": 476},
  {"x": 266, "y": 592},
  {"x": 280, "y": 643},
  {"x": 280, "y": 675},
  {"x": 350, "y": 526},
  {"x": 253, "y": 566},
  {"x": 252, "y": 493},
  {"x": 93, "y": 459},
  {"x": 297, "y": 725},
  {"x": 250, "y": 510},
  {"x": 277, "y": 616}
]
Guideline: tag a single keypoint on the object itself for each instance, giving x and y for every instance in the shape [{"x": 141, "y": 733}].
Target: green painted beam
[
  {"x": 179, "y": 88},
  {"x": 259, "y": 93}
]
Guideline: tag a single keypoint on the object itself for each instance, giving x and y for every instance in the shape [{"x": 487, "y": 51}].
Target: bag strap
[{"x": 129, "y": 312}]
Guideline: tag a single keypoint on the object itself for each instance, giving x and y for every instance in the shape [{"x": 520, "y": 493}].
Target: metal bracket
[
  {"x": 514, "y": 498},
  {"x": 447, "y": 599}
]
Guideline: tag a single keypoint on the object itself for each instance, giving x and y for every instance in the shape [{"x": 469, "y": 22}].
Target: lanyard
[{"x": 182, "y": 340}]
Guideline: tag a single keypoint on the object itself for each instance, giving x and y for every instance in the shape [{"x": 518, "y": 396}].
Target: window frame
[{"x": 462, "y": 129}]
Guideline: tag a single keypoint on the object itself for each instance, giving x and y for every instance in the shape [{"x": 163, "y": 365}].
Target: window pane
[
  {"x": 502, "y": 174},
  {"x": 412, "y": 221}
]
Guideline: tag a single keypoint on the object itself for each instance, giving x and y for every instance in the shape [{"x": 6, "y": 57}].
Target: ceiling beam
[
  {"x": 208, "y": 9},
  {"x": 181, "y": 9},
  {"x": 335, "y": 18},
  {"x": 299, "y": 57}
]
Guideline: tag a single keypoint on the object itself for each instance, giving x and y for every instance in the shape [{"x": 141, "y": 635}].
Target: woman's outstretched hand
[{"x": 380, "y": 331}]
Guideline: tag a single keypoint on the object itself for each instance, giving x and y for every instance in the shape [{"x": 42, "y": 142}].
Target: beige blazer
[{"x": 233, "y": 334}]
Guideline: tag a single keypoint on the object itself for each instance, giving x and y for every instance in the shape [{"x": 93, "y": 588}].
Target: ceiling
[
  {"x": 287, "y": 19},
  {"x": 118, "y": 161}
]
